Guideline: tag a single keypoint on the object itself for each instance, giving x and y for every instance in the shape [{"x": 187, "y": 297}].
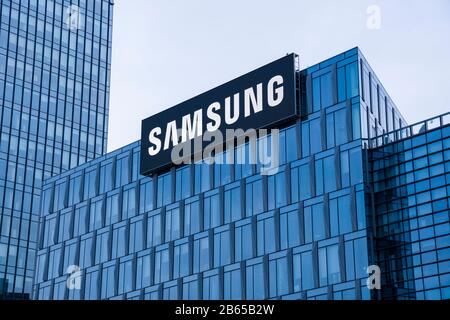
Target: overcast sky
[{"x": 166, "y": 51}]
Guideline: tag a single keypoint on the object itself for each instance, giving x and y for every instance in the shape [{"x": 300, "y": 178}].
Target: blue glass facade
[
  {"x": 410, "y": 172},
  {"x": 225, "y": 231},
  {"x": 54, "y": 98}
]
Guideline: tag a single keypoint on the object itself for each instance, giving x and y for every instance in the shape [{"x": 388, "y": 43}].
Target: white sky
[{"x": 167, "y": 51}]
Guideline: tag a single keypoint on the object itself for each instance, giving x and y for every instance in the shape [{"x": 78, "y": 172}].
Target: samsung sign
[{"x": 262, "y": 98}]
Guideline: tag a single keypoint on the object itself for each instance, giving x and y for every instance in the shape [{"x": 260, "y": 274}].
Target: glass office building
[
  {"x": 410, "y": 172},
  {"x": 340, "y": 201},
  {"x": 54, "y": 97}
]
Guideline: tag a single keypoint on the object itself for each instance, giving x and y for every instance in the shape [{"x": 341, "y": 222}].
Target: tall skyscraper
[
  {"x": 355, "y": 187},
  {"x": 54, "y": 95}
]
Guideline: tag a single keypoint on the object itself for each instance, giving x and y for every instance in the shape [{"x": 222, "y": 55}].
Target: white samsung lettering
[
  {"x": 192, "y": 129},
  {"x": 275, "y": 96},
  {"x": 192, "y": 124},
  {"x": 251, "y": 100},
  {"x": 171, "y": 134},
  {"x": 155, "y": 141},
  {"x": 210, "y": 113},
  {"x": 228, "y": 118}
]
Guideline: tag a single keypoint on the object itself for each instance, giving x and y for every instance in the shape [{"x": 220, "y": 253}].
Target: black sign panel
[{"x": 262, "y": 98}]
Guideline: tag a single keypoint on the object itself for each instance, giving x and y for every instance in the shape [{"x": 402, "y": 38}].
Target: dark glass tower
[
  {"x": 410, "y": 172},
  {"x": 54, "y": 97}
]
